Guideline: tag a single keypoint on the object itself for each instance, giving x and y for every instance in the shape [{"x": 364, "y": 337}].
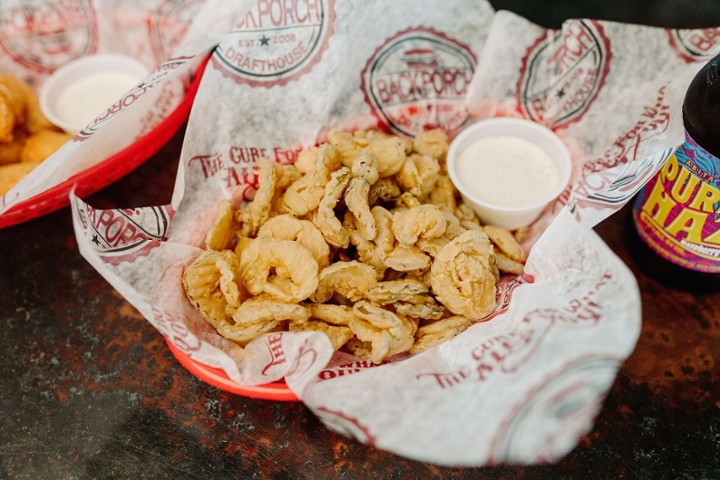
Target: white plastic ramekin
[
  {"x": 510, "y": 217},
  {"x": 83, "y": 67}
]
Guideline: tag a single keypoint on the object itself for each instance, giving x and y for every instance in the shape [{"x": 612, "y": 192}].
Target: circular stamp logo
[
  {"x": 697, "y": 44},
  {"x": 276, "y": 42},
  {"x": 552, "y": 417},
  {"x": 43, "y": 35},
  {"x": 561, "y": 75},
  {"x": 417, "y": 80},
  {"x": 123, "y": 235},
  {"x": 168, "y": 25}
]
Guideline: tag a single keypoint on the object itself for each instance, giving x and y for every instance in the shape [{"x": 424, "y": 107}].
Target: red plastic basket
[
  {"x": 278, "y": 391},
  {"x": 109, "y": 170}
]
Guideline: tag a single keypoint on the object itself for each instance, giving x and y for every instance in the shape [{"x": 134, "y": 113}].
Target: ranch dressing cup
[
  {"x": 508, "y": 169},
  {"x": 75, "y": 94}
]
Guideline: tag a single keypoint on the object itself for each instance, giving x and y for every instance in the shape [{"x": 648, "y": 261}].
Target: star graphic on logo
[
  {"x": 96, "y": 240},
  {"x": 560, "y": 93},
  {"x": 264, "y": 41}
]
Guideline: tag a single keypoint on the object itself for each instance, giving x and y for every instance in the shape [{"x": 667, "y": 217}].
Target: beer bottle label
[{"x": 677, "y": 213}]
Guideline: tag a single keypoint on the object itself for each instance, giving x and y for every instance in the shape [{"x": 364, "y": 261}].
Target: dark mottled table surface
[{"x": 88, "y": 389}]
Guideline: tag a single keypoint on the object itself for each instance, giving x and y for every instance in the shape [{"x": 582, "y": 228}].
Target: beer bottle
[{"x": 677, "y": 214}]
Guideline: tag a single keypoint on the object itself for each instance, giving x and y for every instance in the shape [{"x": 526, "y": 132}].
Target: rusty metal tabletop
[{"x": 89, "y": 389}]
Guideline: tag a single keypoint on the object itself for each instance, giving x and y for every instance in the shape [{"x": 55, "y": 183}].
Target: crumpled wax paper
[
  {"x": 38, "y": 38},
  {"x": 519, "y": 388}
]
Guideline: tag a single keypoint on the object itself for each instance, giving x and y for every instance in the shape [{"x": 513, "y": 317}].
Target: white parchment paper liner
[
  {"x": 42, "y": 37},
  {"x": 520, "y": 388}
]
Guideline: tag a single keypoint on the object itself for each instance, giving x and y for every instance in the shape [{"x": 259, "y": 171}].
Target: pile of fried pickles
[
  {"x": 27, "y": 137},
  {"x": 364, "y": 238}
]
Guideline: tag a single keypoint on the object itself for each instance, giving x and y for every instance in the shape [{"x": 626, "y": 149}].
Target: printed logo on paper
[
  {"x": 610, "y": 188},
  {"x": 345, "y": 369},
  {"x": 653, "y": 121},
  {"x": 505, "y": 288},
  {"x": 168, "y": 25},
  {"x": 152, "y": 80},
  {"x": 276, "y": 42},
  {"x": 695, "y": 45},
  {"x": 561, "y": 76},
  {"x": 549, "y": 421},
  {"x": 418, "y": 80},
  {"x": 237, "y": 167},
  {"x": 345, "y": 424},
  {"x": 275, "y": 352},
  {"x": 123, "y": 235},
  {"x": 600, "y": 186},
  {"x": 44, "y": 35}
]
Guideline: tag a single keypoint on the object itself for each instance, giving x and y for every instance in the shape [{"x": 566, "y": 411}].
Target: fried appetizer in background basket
[
  {"x": 26, "y": 136},
  {"x": 364, "y": 239}
]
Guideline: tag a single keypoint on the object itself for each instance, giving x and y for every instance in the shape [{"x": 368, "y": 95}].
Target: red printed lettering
[
  {"x": 286, "y": 156},
  {"x": 277, "y": 354},
  {"x": 23, "y": 20},
  {"x": 210, "y": 164},
  {"x": 240, "y": 154},
  {"x": 115, "y": 228},
  {"x": 576, "y": 41},
  {"x": 345, "y": 369},
  {"x": 282, "y": 13},
  {"x": 235, "y": 176},
  {"x": 413, "y": 85}
]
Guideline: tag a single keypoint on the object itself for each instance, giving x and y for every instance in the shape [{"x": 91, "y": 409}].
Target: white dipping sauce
[
  {"x": 86, "y": 98},
  {"x": 507, "y": 172}
]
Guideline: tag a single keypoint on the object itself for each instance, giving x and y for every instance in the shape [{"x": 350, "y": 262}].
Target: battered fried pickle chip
[
  {"x": 222, "y": 232},
  {"x": 461, "y": 275},
  {"x": 505, "y": 241},
  {"x": 432, "y": 142},
  {"x": 389, "y": 153},
  {"x": 287, "y": 227},
  {"x": 424, "y": 221},
  {"x": 391, "y": 291},
  {"x": 283, "y": 269},
  {"x": 438, "y": 332},
  {"x": 325, "y": 218},
  {"x": 338, "y": 335},
  {"x": 349, "y": 279},
  {"x": 407, "y": 259},
  {"x": 507, "y": 264},
  {"x": 421, "y": 311},
  {"x": 387, "y": 332},
  {"x": 259, "y": 315},
  {"x": 213, "y": 283},
  {"x": 364, "y": 239}
]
